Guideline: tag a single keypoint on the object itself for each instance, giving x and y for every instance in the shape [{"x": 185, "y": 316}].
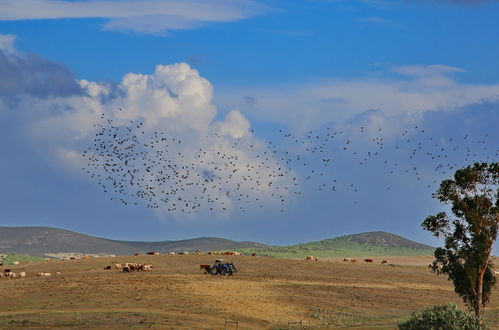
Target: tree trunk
[{"x": 479, "y": 293}]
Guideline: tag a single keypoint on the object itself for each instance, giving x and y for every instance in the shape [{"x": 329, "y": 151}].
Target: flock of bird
[
  {"x": 215, "y": 172},
  {"x": 161, "y": 170}
]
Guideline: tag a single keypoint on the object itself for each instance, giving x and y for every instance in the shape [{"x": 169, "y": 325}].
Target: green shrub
[{"x": 443, "y": 317}]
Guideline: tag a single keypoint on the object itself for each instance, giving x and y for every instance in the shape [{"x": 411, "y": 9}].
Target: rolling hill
[
  {"x": 46, "y": 241},
  {"x": 43, "y": 241},
  {"x": 376, "y": 243}
]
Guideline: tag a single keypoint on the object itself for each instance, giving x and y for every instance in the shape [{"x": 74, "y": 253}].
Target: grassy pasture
[{"x": 267, "y": 293}]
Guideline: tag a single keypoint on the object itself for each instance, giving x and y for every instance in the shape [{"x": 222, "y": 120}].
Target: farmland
[{"x": 266, "y": 293}]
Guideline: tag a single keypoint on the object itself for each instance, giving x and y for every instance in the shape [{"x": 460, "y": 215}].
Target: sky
[{"x": 418, "y": 78}]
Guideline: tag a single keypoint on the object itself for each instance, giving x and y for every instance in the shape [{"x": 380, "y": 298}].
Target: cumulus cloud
[
  {"x": 174, "y": 101},
  {"x": 412, "y": 89},
  {"x": 146, "y": 16}
]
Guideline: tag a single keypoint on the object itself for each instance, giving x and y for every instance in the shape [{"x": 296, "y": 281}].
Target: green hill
[{"x": 358, "y": 245}]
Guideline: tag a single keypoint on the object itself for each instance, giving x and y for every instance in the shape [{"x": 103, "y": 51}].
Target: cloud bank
[
  {"x": 401, "y": 90},
  {"x": 146, "y": 16}
]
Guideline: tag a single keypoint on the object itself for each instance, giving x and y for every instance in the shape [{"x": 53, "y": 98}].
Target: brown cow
[
  {"x": 309, "y": 258},
  {"x": 368, "y": 260},
  {"x": 353, "y": 260},
  {"x": 206, "y": 268},
  {"x": 384, "y": 262}
]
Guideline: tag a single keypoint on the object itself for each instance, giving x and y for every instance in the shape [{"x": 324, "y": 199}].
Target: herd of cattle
[
  {"x": 8, "y": 273},
  {"x": 369, "y": 261},
  {"x": 128, "y": 267}
]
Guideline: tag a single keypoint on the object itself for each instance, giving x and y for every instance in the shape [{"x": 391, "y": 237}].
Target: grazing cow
[
  {"x": 107, "y": 267},
  {"x": 171, "y": 253},
  {"x": 146, "y": 267},
  {"x": 368, "y": 260},
  {"x": 353, "y": 260},
  {"x": 126, "y": 269},
  {"x": 22, "y": 274},
  {"x": 309, "y": 258},
  {"x": 135, "y": 254},
  {"x": 316, "y": 258},
  {"x": 118, "y": 266},
  {"x": 43, "y": 274},
  {"x": 253, "y": 254},
  {"x": 206, "y": 268},
  {"x": 347, "y": 260},
  {"x": 384, "y": 262}
]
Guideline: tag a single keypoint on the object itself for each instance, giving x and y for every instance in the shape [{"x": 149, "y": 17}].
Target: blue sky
[{"x": 292, "y": 66}]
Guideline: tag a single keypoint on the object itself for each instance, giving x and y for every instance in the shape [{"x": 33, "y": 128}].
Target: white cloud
[
  {"x": 415, "y": 89},
  {"x": 235, "y": 124},
  {"x": 7, "y": 43},
  {"x": 146, "y": 16},
  {"x": 426, "y": 70}
]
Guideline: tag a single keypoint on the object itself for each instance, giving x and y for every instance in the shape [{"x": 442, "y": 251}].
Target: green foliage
[
  {"x": 443, "y": 317},
  {"x": 22, "y": 258},
  {"x": 470, "y": 235}
]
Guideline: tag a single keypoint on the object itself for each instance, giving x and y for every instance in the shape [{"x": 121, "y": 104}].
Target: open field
[{"x": 266, "y": 293}]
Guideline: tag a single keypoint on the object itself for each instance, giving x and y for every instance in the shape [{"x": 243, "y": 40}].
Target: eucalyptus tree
[{"x": 469, "y": 233}]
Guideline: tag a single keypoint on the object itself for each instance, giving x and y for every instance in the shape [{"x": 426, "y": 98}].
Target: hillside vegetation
[
  {"x": 22, "y": 258},
  {"x": 359, "y": 245}
]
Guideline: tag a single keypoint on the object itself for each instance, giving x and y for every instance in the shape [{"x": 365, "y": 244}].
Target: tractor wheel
[{"x": 214, "y": 271}]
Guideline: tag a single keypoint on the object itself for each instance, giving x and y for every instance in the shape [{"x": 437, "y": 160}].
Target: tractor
[{"x": 220, "y": 268}]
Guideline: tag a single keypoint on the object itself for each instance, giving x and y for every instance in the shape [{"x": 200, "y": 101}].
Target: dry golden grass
[{"x": 266, "y": 293}]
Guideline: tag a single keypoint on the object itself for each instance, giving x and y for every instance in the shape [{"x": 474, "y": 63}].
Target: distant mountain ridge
[{"x": 43, "y": 241}]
